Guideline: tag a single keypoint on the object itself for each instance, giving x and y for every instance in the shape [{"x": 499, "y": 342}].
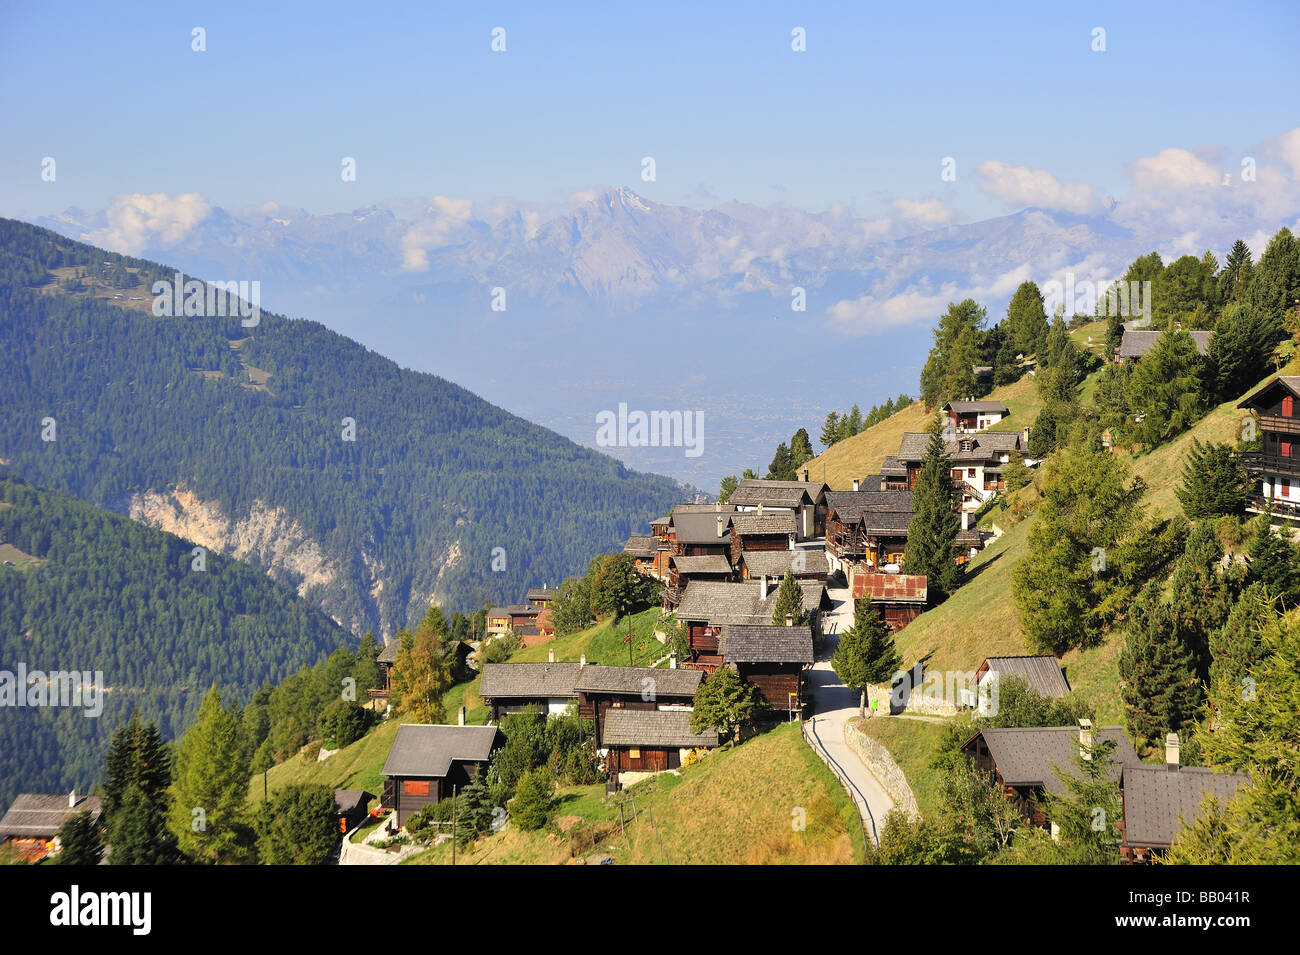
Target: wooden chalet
[
  {"x": 602, "y": 689},
  {"x": 894, "y": 475},
  {"x": 707, "y": 607},
  {"x": 1138, "y": 341},
  {"x": 683, "y": 570},
  {"x": 427, "y": 761},
  {"x": 804, "y": 500},
  {"x": 649, "y": 741},
  {"x": 866, "y": 530},
  {"x": 513, "y": 687},
  {"x": 1159, "y": 801},
  {"x": 977, "y": 461},
  {"x": 1275, "y": 468},
  {"x": 650, "y": 555},
  {"x": 760, "y": 530},
  {"x": 1021, "y": 763},
  {"x": 772, "y": 659},
  {"x": 696, "y": 530},
  {"x": 901, "y": 598},
  {"x": 32, "y": 823},
  {"x": 808, "y": 564},
  {"x": 498, "y": 621},
  {"x": 351, "y": 808},
  {"x": 1042, "y": 673},
  {"x": 971, "y": 416},
  {"x": 541, "y": 597}
]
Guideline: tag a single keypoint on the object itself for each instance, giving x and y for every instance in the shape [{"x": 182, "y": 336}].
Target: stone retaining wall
[{"x": 877, "y": 759}]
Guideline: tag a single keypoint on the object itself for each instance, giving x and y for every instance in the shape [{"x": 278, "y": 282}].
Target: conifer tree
[
  {"x": 1088, "y": 813},
  {"x": 208, "y": 814},
  {"x": 1214, "y": 482},
  {"x": 789, "y": 602},
  {"x": 1275, "y": 561},
  {"x": 138, "y": 774},
  {"x": 800, "y": 449},
  {"x": 81, "y": 840},
  {"x": 299, "y": 827},
  {"x": 932, "y": 533},
  {"x": 1157, "y": 671},
  {"x": 1201, "y": 594},
  {"x": 866, "y": 654},
  {"x": 1237, "y": 646},
  {"x": 831, "y": 429}
]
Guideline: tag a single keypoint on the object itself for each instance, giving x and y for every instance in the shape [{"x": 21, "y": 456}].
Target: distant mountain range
[
  {"x": 370, "y": 489},
  {"x": 622, "y": 299}
]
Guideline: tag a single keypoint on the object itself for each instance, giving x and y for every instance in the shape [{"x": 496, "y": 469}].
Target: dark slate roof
[
  {"x": 775, "y": 563},
  {"x": 887, "y": 523},
  {"x": 704, "y": 564},
  {"x": 523, "y": 610},
  {"x": 499, "y": 612},
  {"x": 968, "y": 407},
  {"x": 346, "y": 800},
  {"x": 391, "y": 649},
  {"x": 542, "y": 593},
  {"x": 1042, "y": 673},
  {"x": 1159, "y": 801},
  {"x": 1290, "y": 382},
  {"x": 849, "y": 506},
  {"x": 428, "y": 750},
  {"x": 1137, "y": 342},
  {"x": 766, "y": 644},
  {"x": 751, "y": 492},
  {"x": 1026, "y": 757},
  {"x": 891, "y": 588},
  {"x": 985, "y": 446},
  {"x": 701, "y": 527},
  {"x": 533, "y": 681},
  {"x": 721, "y": 603},
  {"x": 40, "y": 815},
  {"x": 751, "y": 522},
  {"x": 667, "y": 728},
  {"x": 638, "y": 546},
  {"x": 629, "y": 680},
  {"x": 892, "y": 467}
]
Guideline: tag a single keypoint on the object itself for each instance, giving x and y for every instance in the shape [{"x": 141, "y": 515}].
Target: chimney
[
  {"x": 1024, "y": 438},
  {"x": 550, "y": 655},
  {"x": 582, "y": 660},
  {"x": 856, "y": 483},
  {"x": 789, "y": 620},
  {"x": 1171, "y": 752},
  {"x": 72, "y": 799},
  {"x": 1085, "y": 738},
  {"x": 460, "y": 716},
  {"x": 762, "y": 588},
  {"x": 805, "y": 475},
  {"x": 965, "y": 519},
  {"x": 720, "y": 525},
  {"x": 672, "y": 661},
  {"x": 760, "y": 510},
  {"x": 717, "y": 506}
]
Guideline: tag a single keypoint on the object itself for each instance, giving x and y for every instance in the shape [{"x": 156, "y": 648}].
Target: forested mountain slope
[
  {"x": 234, "y": 437},
  {"x": 82, "y": 589}
]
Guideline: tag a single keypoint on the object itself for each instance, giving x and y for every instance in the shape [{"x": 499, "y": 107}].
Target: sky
[{"x": 715, "y": 94}]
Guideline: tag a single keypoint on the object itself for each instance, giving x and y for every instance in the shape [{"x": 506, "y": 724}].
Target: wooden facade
[
  {"x": 407, "y": 795},
  {"x": 1275, "y": 468}
]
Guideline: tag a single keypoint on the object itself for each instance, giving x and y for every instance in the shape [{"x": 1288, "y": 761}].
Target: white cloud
[
  {"x": 136, "y": 221},
  {"x": 444, "y": 218},
  {"x": 1022, "y": 186},
  {"x": 1172, "y": 169}
]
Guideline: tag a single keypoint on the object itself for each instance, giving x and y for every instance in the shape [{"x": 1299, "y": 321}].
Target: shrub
[
  {"x": 345, "y": 722},
  {"x": 531, "y": 807}
]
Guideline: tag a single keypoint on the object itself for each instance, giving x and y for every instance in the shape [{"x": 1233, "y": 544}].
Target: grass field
[
  {"x": 737, "y": 806},
  {"x": 913, "y": 744}
]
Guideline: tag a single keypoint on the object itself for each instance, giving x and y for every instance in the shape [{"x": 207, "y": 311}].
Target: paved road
[{"x": 835, "y": 704}]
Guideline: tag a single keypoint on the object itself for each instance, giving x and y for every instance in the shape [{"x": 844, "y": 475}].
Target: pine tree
[
  {"x": 139, "y": 833},
  {"x": 1275, "y": 561},
  {"x": 1201, "y": 595},
  {"x": 1236, "y": 274},
  {"x": 1214, "y": 482},
  {"x": 138, "y": 774},
  {"x": 782, "y": 466},
  {"x": 865, "y": 654},
  {"x": 789, "y": 602},
  {"x": 853, "y": 422},
  {"x": 421, "y": 677},
  {"x": 1237, "y": 646},
  {"x": 299, "y": 827},
  {"x": 932, "y": 533},
  {"x": 801, "y": 449},
  {"x": 208, "y": 812},
  {"x": 81, "y": 840},
  {"x": 1157, "y": 671},
  {"x": 1087, "y": 815},
  {"x": 831, "y": 429},
  {"x": 1165, "y": 389},
  {"x": 1026, "y": 322},
  {"x": 1241, "y": 349},
  {"x": 726, "y": 488}
]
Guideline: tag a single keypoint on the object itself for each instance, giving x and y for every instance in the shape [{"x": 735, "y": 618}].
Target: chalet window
[
  {"x": 1284, "y": 487},
  {"x": 970, "y": 472},
  {"x": 1288, "y": 407},
  {"x": 415, "y": 787},
  {"x": 634, "y": 754},
  {"x": 1286, "y": 449}
]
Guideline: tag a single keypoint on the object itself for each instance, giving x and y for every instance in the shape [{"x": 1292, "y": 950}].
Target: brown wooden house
[
  {"x": 900, "y": 597},
  {"x": 969, "y": 417},
  {"x": 351, "y": 808},
  {"x": 683, "y": 570},
  {"x": 385, "y": 661},
  {"x": 761, "y": 530},
  {"x": 772, "y": 659},
  {"x": 650, "y": 741},
  {"x": 1275, "y": 468},
  {"x": 867, "y": 530},
  {"x": 32, "y": 823},
  {"x": 1042, "y": 673},
  {"x": 605, "y": 688},
  {"x": 427, "y": 761},
  {"x": 514, "y": 687},
  {"x": 708, "y": 607},
  {"x": 1022, "y": 763},
  {"x": 805, "y": 564},
  {"x": 804, "y": 500}
]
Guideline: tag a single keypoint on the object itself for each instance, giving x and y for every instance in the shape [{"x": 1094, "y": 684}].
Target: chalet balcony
[
  {"x": 1261, "y": 461},
  {"x": 1288, "y": 508},
  {"x": 1279, "y": 424}
]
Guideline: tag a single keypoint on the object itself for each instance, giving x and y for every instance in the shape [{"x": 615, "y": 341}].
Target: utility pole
[{"x": 453, "y": 825}]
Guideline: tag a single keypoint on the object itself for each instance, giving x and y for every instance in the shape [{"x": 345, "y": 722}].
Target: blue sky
[{"x": 715, "y": 95}]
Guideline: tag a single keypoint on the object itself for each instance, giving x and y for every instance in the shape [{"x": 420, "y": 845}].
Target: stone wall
[{"x": 877, "y": 759}]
